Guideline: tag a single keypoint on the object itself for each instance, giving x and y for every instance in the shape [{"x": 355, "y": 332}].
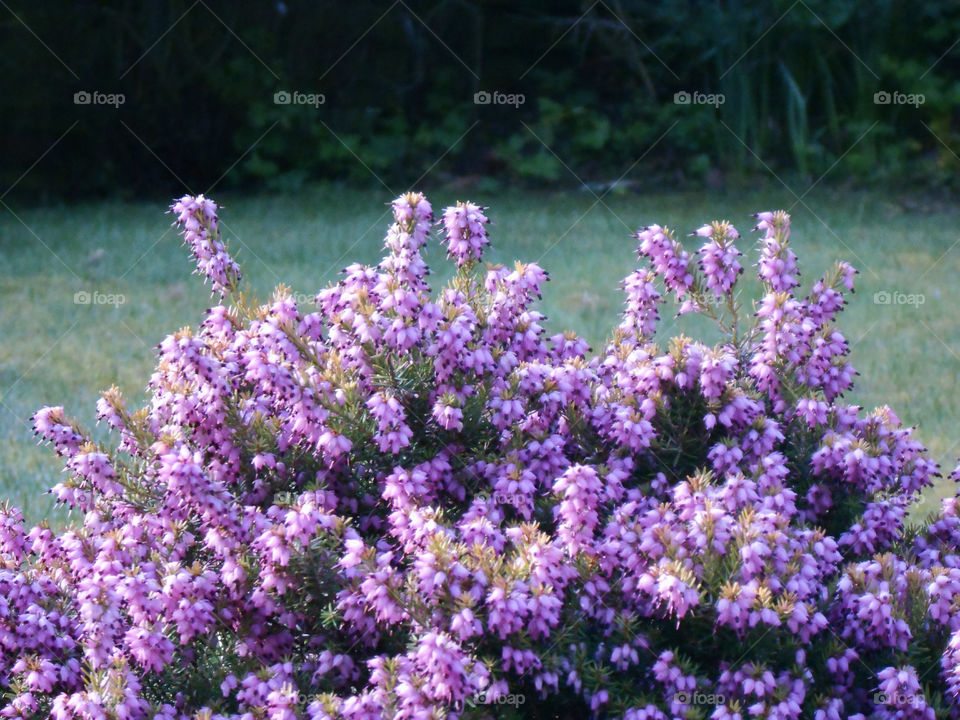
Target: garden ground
[{"x": 88, "y": 291}]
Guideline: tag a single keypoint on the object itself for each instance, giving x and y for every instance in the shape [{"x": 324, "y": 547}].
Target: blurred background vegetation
[{"x": 599, "y": 77}]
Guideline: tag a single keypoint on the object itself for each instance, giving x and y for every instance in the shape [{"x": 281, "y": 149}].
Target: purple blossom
[
  {"x": 405, "y": 504},
  {"x": 667, "y": 256},
  {"x": 718, "y": 257},
  {"x": 778, "y": 263},
  {"x": 197, "y": 218},
  {"x": 465, "y": 232}
]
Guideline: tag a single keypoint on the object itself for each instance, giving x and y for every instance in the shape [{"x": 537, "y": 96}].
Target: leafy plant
[{"x": 400, "y": 504}]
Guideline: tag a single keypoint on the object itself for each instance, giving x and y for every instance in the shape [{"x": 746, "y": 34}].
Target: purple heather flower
[
  {"x": 197, "y": 218},
  {"x": 718, "y": 257},
  {"x": 667, "y": 256},
  {"x": 405, "y": 504},
  {"x": 465, "y": 232}
]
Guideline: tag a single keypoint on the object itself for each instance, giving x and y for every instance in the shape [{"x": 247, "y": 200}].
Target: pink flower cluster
[
  {"x": 466, "y": 232},
  {"x": 395, "y": 503},
  {"x": 197, "y": 218}
]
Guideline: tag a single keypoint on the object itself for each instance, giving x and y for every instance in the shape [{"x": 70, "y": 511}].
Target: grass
[{"x": 54, "y": 351}]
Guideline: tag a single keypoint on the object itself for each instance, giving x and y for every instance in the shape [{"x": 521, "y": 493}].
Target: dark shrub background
[{"x": 598, "y": 79}]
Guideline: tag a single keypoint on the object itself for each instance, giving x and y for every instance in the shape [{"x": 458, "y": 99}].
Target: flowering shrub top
[{"x": 403, "y": 505}]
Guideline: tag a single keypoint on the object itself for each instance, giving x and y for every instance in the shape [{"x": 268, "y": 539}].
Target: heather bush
[{"x": 394, "y": 504}]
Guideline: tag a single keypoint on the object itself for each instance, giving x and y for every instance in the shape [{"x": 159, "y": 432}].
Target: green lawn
[{"x": 54, "y": 351}]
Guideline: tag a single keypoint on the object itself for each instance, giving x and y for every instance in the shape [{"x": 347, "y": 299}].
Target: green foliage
[{"x": 798, "y": 81}]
